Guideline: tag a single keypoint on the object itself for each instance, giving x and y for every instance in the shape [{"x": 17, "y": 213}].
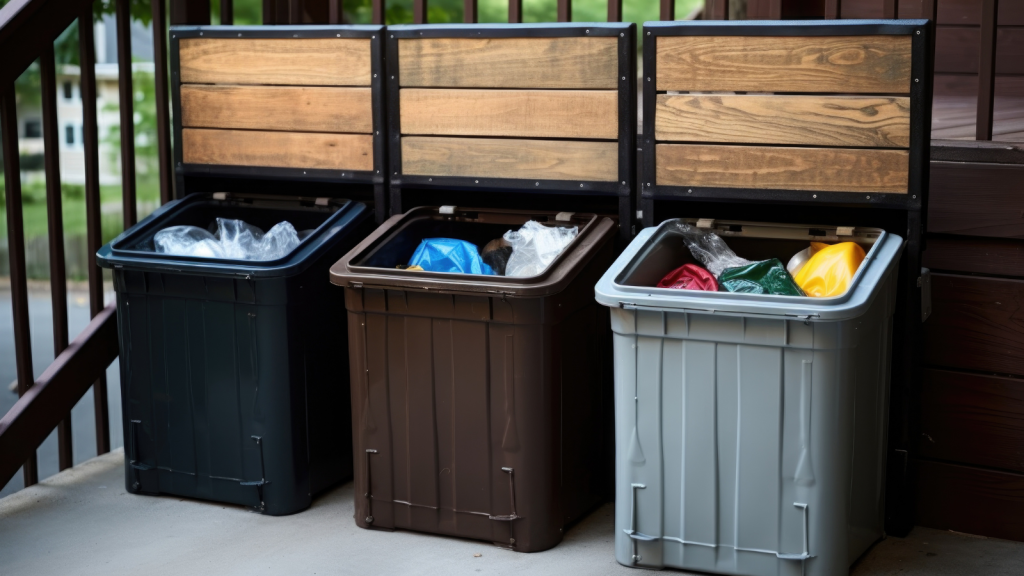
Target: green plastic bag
[{"x": 764, "y": 277}]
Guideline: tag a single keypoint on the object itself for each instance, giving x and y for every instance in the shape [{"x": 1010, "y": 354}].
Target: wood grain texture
[
  {"x": 976, "y": 199},
  {"x": 976, "y": 324},
  {"x": 293, "y": 61},
  {"x": 521, "y": 113},
  {"x": 845, "y": 64},
  {"x": 996, "y": 256},
  {"x": 277, "y": 149},
  {"x": 560, "y": 63},
  {"x": 286, "y": 108},
  {"x": 767, "y": 167},
  {"x": 867, "y": 121},
  {"x": 970, "y": 500},
  {"x": 973, "y": 419},
  {"x": 528, "y": 159}
]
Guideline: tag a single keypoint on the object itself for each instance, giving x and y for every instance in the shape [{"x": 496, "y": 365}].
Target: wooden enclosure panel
[
  {"x": 523, "y": 113},
  {"x": 869, "y": 121},
  {"x": 277, "y": 149},
  {"x": 286, "y": 108},
  {"x": 815, "y": 64},
  {"x": 560, "y": 63},
  {"x": 973, "y": 419},
  {"x": 510, "y": 158},
  {"x": 957, "y": 50},
  {"x": 768, "y": 167},
  {"x": 976, "y": 324},
  {"x": 970, "y": 500},
  {"x": 292, "y": 61},
  {"x": 976, "y": 199},
  {"x": 975, "y": 255}
]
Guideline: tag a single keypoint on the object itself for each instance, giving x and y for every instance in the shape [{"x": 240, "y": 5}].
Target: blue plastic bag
[{"x": 449, "y": 255}]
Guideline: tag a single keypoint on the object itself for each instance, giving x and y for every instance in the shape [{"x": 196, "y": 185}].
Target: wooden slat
[
  {"x": 846, "y": 64},
  {"x": 975, "y": 324},
  {"x": 523, "y": 113},
  {"x": 867, "y": 121},
  {"x": 767, "y": 167},
  {"x": 278, "y": 149},
  {"x": 527, "y": 159},
  {"x": 973, "y": 419},
  {"x": 970, "y": 500},
  {"x": 994, "y": 256},
  {"x": 286, "y": 108},
  {"x": 976, "y": 199},
  {"x": 566, "y": 63},
  {"x": 290, "y": 61}
]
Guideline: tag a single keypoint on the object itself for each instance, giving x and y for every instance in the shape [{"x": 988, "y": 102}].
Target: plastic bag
[
  {"x": 689, "y": 277},
  {"x": 764, "y": 277},
  {"x": 830, "y": 271},
  {"x": 234, "y": 239},
  {"x": 449, "y": 255},
  {"x": 496, "y": 254},
  {"x": 535, "y": 246},
  {"x": 711, "y": 250}
]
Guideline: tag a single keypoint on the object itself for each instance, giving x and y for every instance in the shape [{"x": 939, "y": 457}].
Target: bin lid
[
  {"x": 810, "y": 112},
  {"x": 613, "y": 291},
  {"x": 351, "y": 271},
  {"x": 296, "y": 103},
  {"x": 132, "y": 250}
]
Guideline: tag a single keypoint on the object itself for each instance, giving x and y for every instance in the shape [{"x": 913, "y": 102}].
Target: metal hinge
[
  {"x": 322, "y": 201},
  {"x": 635, "y": 536},
  {"x": 564, "y": 216},
  {"x": 220, "y": 195},
  {"x": 844, "y": 230},
  {"x": 447, "y": 209},
  {"x": 706, "y": 223},
  {"x": 259, "y": 484}
]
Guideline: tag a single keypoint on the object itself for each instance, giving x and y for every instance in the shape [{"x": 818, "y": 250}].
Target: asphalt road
[{"x": 82, "y": 416}]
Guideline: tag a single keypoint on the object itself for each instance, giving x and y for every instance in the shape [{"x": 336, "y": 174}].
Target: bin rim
[
  {"x": 112, "y": 255},
  {"x": 596, "y": 231},
  {"x": 879, "y": 261}
]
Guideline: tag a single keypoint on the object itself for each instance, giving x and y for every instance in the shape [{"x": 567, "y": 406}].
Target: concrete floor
[{"x": 83, "y": 522}]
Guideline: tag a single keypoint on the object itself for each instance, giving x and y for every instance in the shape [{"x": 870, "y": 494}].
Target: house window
[
  {"x": 69, "y": 135},
  {"x": 68, "y": 91},
  {"x": 33, "y": 129}
]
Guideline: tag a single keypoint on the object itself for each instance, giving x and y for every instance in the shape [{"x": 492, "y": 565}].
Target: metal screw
[
  {"x": 303, "y": 171},
  {"x": 371, "y": 37},
  {"x": 338, "y": 35},
  {"x": 396, "y": 173},
  {"x": 476, "y": 181},
  {"x": 135, "y": 485},
  {"x": 378, "y": 132},
  {"x": 648, "y": 33},
  {"x": 430, "y": 179},
  {"x": 690, "y": 191},
  {"x": 914, "y": 196},
  {"x": 623, "y": 182},
  {"x": 174, "y": 35},
  {"x": 295, "y": 35},
  {"x": 814, "y": 196},
  {"x": 239, "y": 35},
  {"x": 917, "y": 80},
  {"x": 392, "y": 35},
  {"x": 623, "y": 77},
  {"x": 648, "y": 78},
  {"x": 918, "y": 32},
  {"x": 374, "y": 75},
  {"x": 200, "y": 33},
  {"x": 648, "y": 183},
  {"x": 869, "y": 197},
  {"x": 392, "y": 77},
  {"x": 536, "y": 183},
  {"x": 588, "y": 31},
  {"x": 378, "y": 171},
  {"x": 620, "y": 36},
  {"x": 369, "y": 519},
  {"x": 581, "y": 185},
  {"x": 511, "y": 540}
]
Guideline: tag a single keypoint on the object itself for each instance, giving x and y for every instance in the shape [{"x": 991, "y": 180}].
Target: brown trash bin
[{"x": 482, "y": 405}]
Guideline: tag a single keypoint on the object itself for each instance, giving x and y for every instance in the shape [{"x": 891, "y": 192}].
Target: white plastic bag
[
  {"x": 535, "y": 246},
  {"x": 710, "y": 249},
  {"x": 234, "y": 240}
]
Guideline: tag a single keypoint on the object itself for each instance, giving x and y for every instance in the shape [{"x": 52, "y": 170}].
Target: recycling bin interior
[
  {"x": 232, "y": 386},
  {"x": 481, "y": 404},
  {"x": 750, "y": 429}
]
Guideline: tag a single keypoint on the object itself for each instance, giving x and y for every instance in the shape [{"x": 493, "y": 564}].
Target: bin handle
[{"x": 635, "y": 536}]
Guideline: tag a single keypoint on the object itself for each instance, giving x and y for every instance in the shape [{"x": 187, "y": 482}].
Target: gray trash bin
[{"x": 750, "y": 429}]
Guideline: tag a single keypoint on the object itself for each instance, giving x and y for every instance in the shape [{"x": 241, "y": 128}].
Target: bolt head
[
  {"x": 476, "y": 181},
  {"x": 511, "y": 540},
  {"x": 814, "y": 196},
  {"x": 369, "y": 519},
  {"x": 620, "y": 36},
  {"x": 581, "y": 185},
  {"x": 648, "y": 33}
]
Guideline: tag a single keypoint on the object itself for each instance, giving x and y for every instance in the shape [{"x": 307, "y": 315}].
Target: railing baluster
[
  {"x": 775, "y": 9},
  {"x": 833, "y": 9},
  {"x": 16, "y": 249},
  {"x": 615, "y": 10},
  {"x": 668, "y": 10},
  {"x": 126, "y": 103},
  {"x": 469, "y": 11},
  {"x": 93, "y": 230},
  {"x": 227, "y": 13},
  {"x": 55, "y": 225},
  {"x": 716, "y": 9},
  {"x": 929, "y": 9},
  {"x": 163, "y": 112},
  {"x": 565, "y": 10},
  {"x": 515, "y": 11},
  {"x": 334, "y": 8},
  {"x": 890, "y": 8},
  {"x": 419, "y": 11},
  {"x": 198, "y": 11},
  {"x": 987, "y": 70}
]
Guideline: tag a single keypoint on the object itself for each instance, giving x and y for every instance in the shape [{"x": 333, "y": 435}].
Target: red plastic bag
[{"x": 689, "y": 277}]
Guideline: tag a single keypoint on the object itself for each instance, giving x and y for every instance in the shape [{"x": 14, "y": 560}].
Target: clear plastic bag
[
  {"x": 710, "y": 249},
  {"x": 535, "y": 246},
  {"x": 234, "y": 240}
]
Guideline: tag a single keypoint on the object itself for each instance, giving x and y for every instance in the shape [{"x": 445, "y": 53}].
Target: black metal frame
[
  {"x": 920, "y": 32},
  {"x": 623, "y": 188},
  {"x": 377, "y": 177}
]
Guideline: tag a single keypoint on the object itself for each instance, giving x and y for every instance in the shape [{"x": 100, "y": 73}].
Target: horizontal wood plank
[
  {"x": 510, "y": 158},
  {"x": 767, "y": 167},
  {"x": 973, "y": 419},
  {"x": 277, "y": 149},
  {"x": 293, "y": 61},
  {"x": 970, "y": 500},
  {"x": 516, "y": 113},
  {"x": 867, "y": 121},
  {"x": 814, "y": 64},
  {"x": 996, "y": 256},
  {"x": 561, "y": 63},
  {"x": 976, "y": 324},
  {"x": 286, "y": 108},
  {"x": 976, "y": 199}
]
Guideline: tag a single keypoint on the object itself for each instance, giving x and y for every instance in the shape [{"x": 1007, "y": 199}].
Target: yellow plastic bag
[{"x": 830, "y": 270}]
